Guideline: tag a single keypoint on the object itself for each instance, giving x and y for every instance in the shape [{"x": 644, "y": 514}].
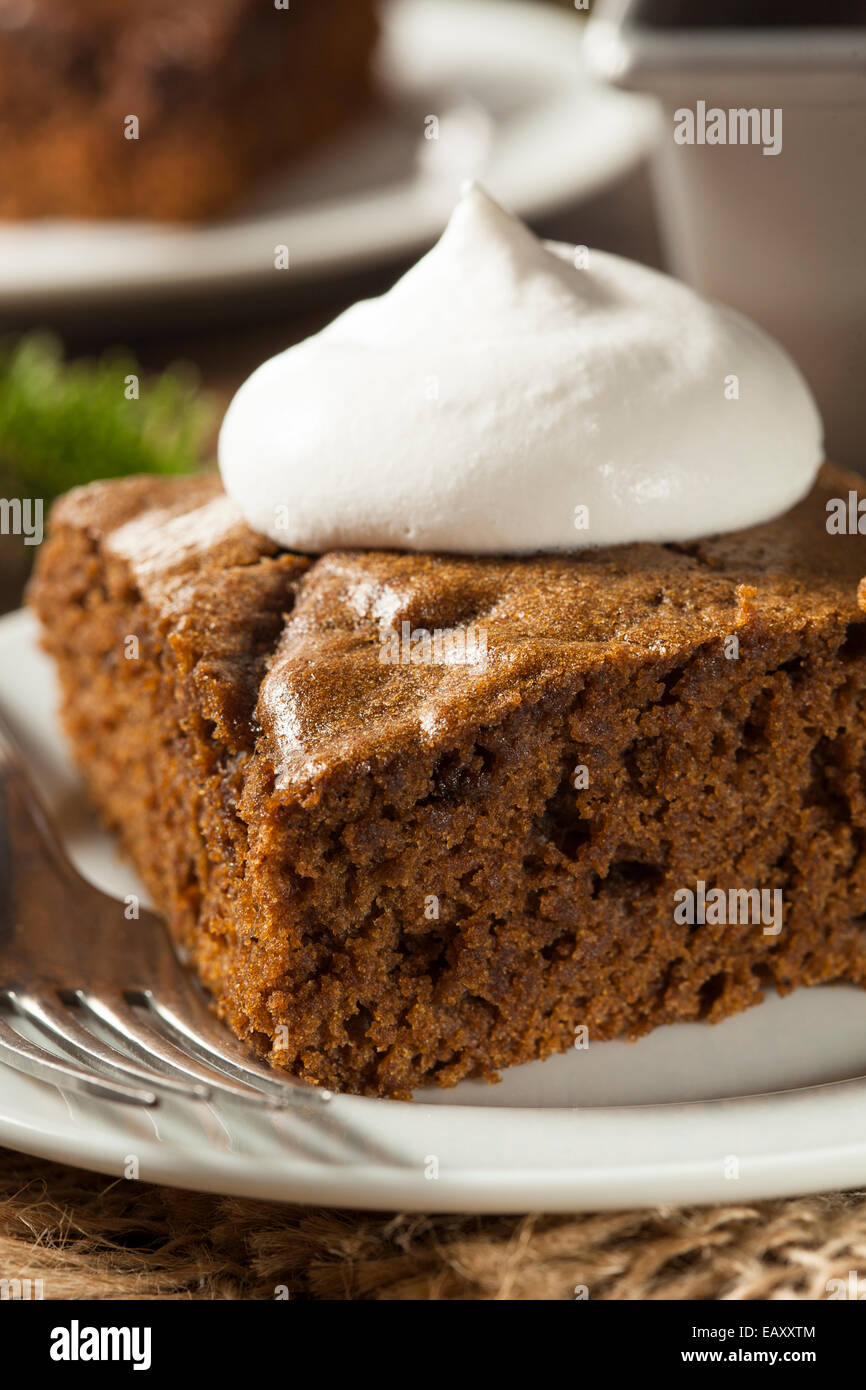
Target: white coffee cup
[{"x": 780, "y": 236}]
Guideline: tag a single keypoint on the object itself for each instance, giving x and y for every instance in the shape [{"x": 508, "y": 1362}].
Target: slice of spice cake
[
  {"x": 167, "y": 110},
  {"x": 627, "y": 790}
]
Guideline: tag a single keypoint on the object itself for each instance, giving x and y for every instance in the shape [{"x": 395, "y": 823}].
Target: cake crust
[{"x": 391, "y": 872}]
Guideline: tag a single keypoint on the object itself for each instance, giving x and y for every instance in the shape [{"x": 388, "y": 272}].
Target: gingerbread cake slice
[
  {"x": 167, "y": 110},
  {"x": 421, "y": 817}
]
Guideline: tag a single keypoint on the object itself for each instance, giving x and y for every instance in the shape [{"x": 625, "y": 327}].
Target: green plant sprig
[{"x": 67, "y": 423}]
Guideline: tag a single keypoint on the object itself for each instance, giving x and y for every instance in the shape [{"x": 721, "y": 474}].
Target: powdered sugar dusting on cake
[{"x": 166, "y": 539}]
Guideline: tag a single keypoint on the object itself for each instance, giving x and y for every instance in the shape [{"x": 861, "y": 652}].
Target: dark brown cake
[
  {"x": 384, "y": 872},
  {"x": 224, "y": 91}
]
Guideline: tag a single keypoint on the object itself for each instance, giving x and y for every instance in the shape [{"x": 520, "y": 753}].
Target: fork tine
[
  {"x": 59, "y": 1023},
  {"x": 203, "y": 1041},
  {"x": 16, "y": 1051},
  {"x": 201, "y": 1037},
  {"x": 150, "y": 1047}
]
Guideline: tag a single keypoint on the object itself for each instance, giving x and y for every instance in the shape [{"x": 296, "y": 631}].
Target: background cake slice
[
  {"x": 394, "y": 868},
  {"x": 221, "y": 93}
]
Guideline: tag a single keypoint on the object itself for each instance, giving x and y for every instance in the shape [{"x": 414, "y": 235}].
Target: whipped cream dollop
[{"x": 513, "y": 395}]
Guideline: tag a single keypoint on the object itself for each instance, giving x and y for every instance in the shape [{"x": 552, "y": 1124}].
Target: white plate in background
[
  {"x": 516, "y": 109},
  {"x": 776, "y": 1095}
]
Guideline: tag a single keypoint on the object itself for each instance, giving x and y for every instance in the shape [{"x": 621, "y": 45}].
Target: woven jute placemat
[{"x": 88, "y": 1236}]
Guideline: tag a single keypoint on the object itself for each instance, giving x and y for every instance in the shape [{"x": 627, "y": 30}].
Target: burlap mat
[{"x": 87, "y": 1236}]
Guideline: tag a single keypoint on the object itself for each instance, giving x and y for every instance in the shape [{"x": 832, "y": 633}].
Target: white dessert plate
[
  {"x": 515, "y": 108},
  {"x": 767, "y": 1104}
]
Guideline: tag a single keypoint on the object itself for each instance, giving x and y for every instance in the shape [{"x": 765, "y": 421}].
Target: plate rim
[{"x": 482, "y": 1187}]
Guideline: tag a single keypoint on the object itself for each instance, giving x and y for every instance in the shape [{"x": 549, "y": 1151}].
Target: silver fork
[{"x": 69, "y": 960}]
